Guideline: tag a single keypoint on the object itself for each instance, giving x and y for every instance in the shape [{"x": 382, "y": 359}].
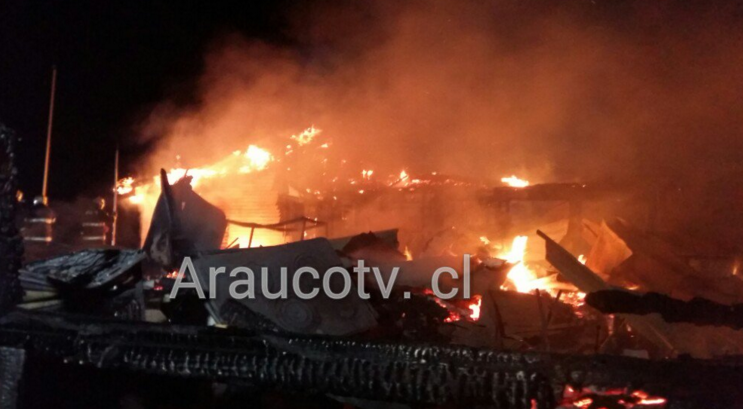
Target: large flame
[{"x": 521, "y": 278}]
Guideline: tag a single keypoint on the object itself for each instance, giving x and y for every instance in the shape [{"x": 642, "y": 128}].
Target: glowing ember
[
  {"x": 583, "y": 403},
  {"x": 514, "y": 181},
  {"x": 647, "y": 400},
  {"x": 456, "y": 313},
  {"x": 306, "y": 136}
]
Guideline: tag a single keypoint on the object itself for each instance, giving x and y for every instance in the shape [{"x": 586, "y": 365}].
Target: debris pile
[{"x": 400, "y": 340}]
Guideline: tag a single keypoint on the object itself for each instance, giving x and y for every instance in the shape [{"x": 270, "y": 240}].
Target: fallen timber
[{"x": 393, "y": 372}]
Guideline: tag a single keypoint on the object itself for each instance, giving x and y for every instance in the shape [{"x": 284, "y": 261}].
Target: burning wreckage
[{"x": 590, "y": 340}]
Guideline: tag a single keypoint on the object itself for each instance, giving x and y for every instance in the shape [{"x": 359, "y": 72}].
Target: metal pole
[
  {"x": 115, "y": 202},
  {"x": 49, "y": 133}
]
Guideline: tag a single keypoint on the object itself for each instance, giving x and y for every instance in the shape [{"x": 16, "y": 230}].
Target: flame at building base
[{"x": 525, "y": 278}]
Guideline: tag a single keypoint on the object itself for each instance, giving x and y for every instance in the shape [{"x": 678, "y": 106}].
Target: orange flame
[
  {"x": 475, "y": 308},
  {"x": 514, "y": 181},
  {"x": 524, "y": 278},
  {"x": 125, "y": 186}
]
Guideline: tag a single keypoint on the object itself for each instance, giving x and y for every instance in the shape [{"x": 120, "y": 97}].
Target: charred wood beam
[
  {"x": 341, "y": 367},
  {"x": 11, "y": 372},
  {"x": 11, "y": 242},
  {"x": 394, "y": 372},
  {"x": 697, "y": 311}
]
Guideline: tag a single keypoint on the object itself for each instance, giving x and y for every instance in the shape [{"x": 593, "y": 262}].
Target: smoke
[{"x": 550, "y": 91}]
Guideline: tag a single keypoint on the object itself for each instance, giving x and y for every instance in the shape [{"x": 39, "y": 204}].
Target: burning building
[{"x": 530, "y": 196}]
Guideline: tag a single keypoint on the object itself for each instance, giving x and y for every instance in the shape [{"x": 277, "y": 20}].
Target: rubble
[
  {"x": 318, "y": 315},
  {"x": 670, "y": 338},
  {"x": 88, "y": 269},
  {"x": 502, "y": 348},
  {"x": 393, "y": 372}
]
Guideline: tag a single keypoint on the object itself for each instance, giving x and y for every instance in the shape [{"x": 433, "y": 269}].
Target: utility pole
[
  {"x": 49, "y": 134},
  {"x": 115, "y": 202}
]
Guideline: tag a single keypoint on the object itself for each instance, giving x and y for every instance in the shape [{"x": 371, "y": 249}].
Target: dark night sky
[{"x": 115, "y": 60}]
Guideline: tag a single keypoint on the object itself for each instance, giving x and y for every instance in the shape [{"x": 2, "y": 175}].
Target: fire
[
  {"x": 475, "y": 308},
  {"x": 408, "y": 254},
  {"x": 253, "y": 159},
  {"x": 525, "y": 278},
  {"x": 306, "y": 136},
  {"x": 258, "y": 159},
  {"x": 456, "y": 313},
  {"x": 196, "y": 175},
  {"x": 583, "y": 403},
  {"x": 137, "y": 198},
  {"x": 644, "y": 399},
  {"x": 589, "y": 397},
  {"x": 582, "y": 259},
  {"x": 520, "y": 277},
  {"x": 125, "y": 186},
  {"x": 514, "y": 181}
]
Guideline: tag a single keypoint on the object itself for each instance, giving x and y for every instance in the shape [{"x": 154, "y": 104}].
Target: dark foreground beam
[
  {"x": 393, "y": 372},
  {"x": 697, "y": 311}
]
